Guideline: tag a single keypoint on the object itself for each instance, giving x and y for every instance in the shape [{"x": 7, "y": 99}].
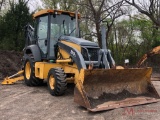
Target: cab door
[{"x": 42, "y": 35}]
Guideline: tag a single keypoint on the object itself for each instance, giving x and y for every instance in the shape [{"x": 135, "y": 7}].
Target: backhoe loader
[
  {"x": 154, "y": 51},
  {"x": 151, "y": 53},
  {"x": 55, "y": 52}
]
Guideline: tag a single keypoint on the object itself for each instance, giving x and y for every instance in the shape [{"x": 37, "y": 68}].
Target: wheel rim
[
  {"x": 51, "y": 82},
  {"x": 28, "y": 70}
]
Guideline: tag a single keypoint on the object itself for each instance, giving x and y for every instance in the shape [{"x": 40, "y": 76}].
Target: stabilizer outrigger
[{"x": 13, "y": 78}]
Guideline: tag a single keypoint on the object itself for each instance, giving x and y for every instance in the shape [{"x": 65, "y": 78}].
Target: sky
[{"x": 34, "y": 4}]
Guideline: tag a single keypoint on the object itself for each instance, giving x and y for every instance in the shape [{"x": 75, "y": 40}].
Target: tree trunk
[{"x": 98, "y": 34}]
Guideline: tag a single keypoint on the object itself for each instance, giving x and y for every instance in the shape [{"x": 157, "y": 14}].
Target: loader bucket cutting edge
[{"x": 102, "y": 89}]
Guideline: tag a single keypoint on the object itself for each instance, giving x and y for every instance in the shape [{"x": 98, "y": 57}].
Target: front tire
[{"x": 56, "y": 81}]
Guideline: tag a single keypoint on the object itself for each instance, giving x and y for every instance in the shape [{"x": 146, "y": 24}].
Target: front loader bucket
[{"x": 104, "y": 89}]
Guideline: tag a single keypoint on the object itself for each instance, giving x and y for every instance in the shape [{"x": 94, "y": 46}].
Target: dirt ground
[
  {"x": 10, "y": 63},
  {"x": 20, "y": 102}
]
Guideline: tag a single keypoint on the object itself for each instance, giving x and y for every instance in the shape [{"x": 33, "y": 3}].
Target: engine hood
[{"x": 79, "y": 41}]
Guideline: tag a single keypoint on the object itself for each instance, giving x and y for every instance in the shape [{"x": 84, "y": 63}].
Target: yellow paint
[
  {"x": 64, "y": 61},
  {"x": 12, "y": 79},
  {"x": 42, "y": 12},
  {"x": 71, "y": 69},
  {"x": 9, "y": 81},
  {"x": 79, "y": 81},
  {"x": 46, "y": 11},
  {"x": 42, "y": 69},
  {"x": 51, "y": 82},
  {"x": 73, "y": 45},
  {"x": 63, "y": 52},
  {"x": 28, "y": 70},
  {"x": 19, "y": 72}
]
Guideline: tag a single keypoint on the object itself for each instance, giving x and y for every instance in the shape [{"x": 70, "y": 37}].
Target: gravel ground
[{"x": 19, "y": 102}]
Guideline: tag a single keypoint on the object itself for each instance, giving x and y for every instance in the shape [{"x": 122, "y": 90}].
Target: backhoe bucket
[{"x": 104, "y": 89}]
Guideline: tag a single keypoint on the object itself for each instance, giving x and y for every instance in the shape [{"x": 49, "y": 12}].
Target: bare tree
[
  {"x": 52, "y": 4},
  {"x": 98, "y": 11},
  {"x": 60, "y": 4},
  {"x": 150, "y": 8}
]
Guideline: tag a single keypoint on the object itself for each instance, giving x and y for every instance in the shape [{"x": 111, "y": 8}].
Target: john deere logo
[{"x": 73, "y": 53}]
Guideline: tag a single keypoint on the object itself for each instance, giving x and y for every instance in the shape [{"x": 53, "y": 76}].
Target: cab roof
[{"x": 46, "y": 11}]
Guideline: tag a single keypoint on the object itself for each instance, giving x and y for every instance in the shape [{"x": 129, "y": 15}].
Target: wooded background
[{"x": 132, "y": 26}]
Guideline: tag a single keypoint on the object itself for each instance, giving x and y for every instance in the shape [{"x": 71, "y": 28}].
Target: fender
[{"x": 34, "y": 50}]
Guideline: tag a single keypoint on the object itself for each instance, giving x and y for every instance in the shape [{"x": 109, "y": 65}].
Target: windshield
[{"x": 62, "y": 25}]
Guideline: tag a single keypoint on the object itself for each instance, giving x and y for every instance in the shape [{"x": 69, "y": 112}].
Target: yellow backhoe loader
[
  {"x": 154, "y": 51},
  {"x": 55, "y": 52}
]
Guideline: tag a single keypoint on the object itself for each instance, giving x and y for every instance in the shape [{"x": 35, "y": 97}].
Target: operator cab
[{"x": 50, "y": 25}]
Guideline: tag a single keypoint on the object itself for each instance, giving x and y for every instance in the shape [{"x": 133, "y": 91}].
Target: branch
[
  {"x": 150, "y": 14},
  {"x": 151, "y": 7},
  {"x": 92, "y": 8},
  {"x": 101, "y": 6},
  {"x": 107, "y": 9},
  {"x": 82, "y": 4}
]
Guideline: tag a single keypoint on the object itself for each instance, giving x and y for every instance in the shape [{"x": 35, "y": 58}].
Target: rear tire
[
  {"x": 56, "y": 81},
  {"x": 29, "y": 73}
]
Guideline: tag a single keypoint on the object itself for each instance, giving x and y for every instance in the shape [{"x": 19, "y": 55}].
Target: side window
[{"x": 42, "y": 28}]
